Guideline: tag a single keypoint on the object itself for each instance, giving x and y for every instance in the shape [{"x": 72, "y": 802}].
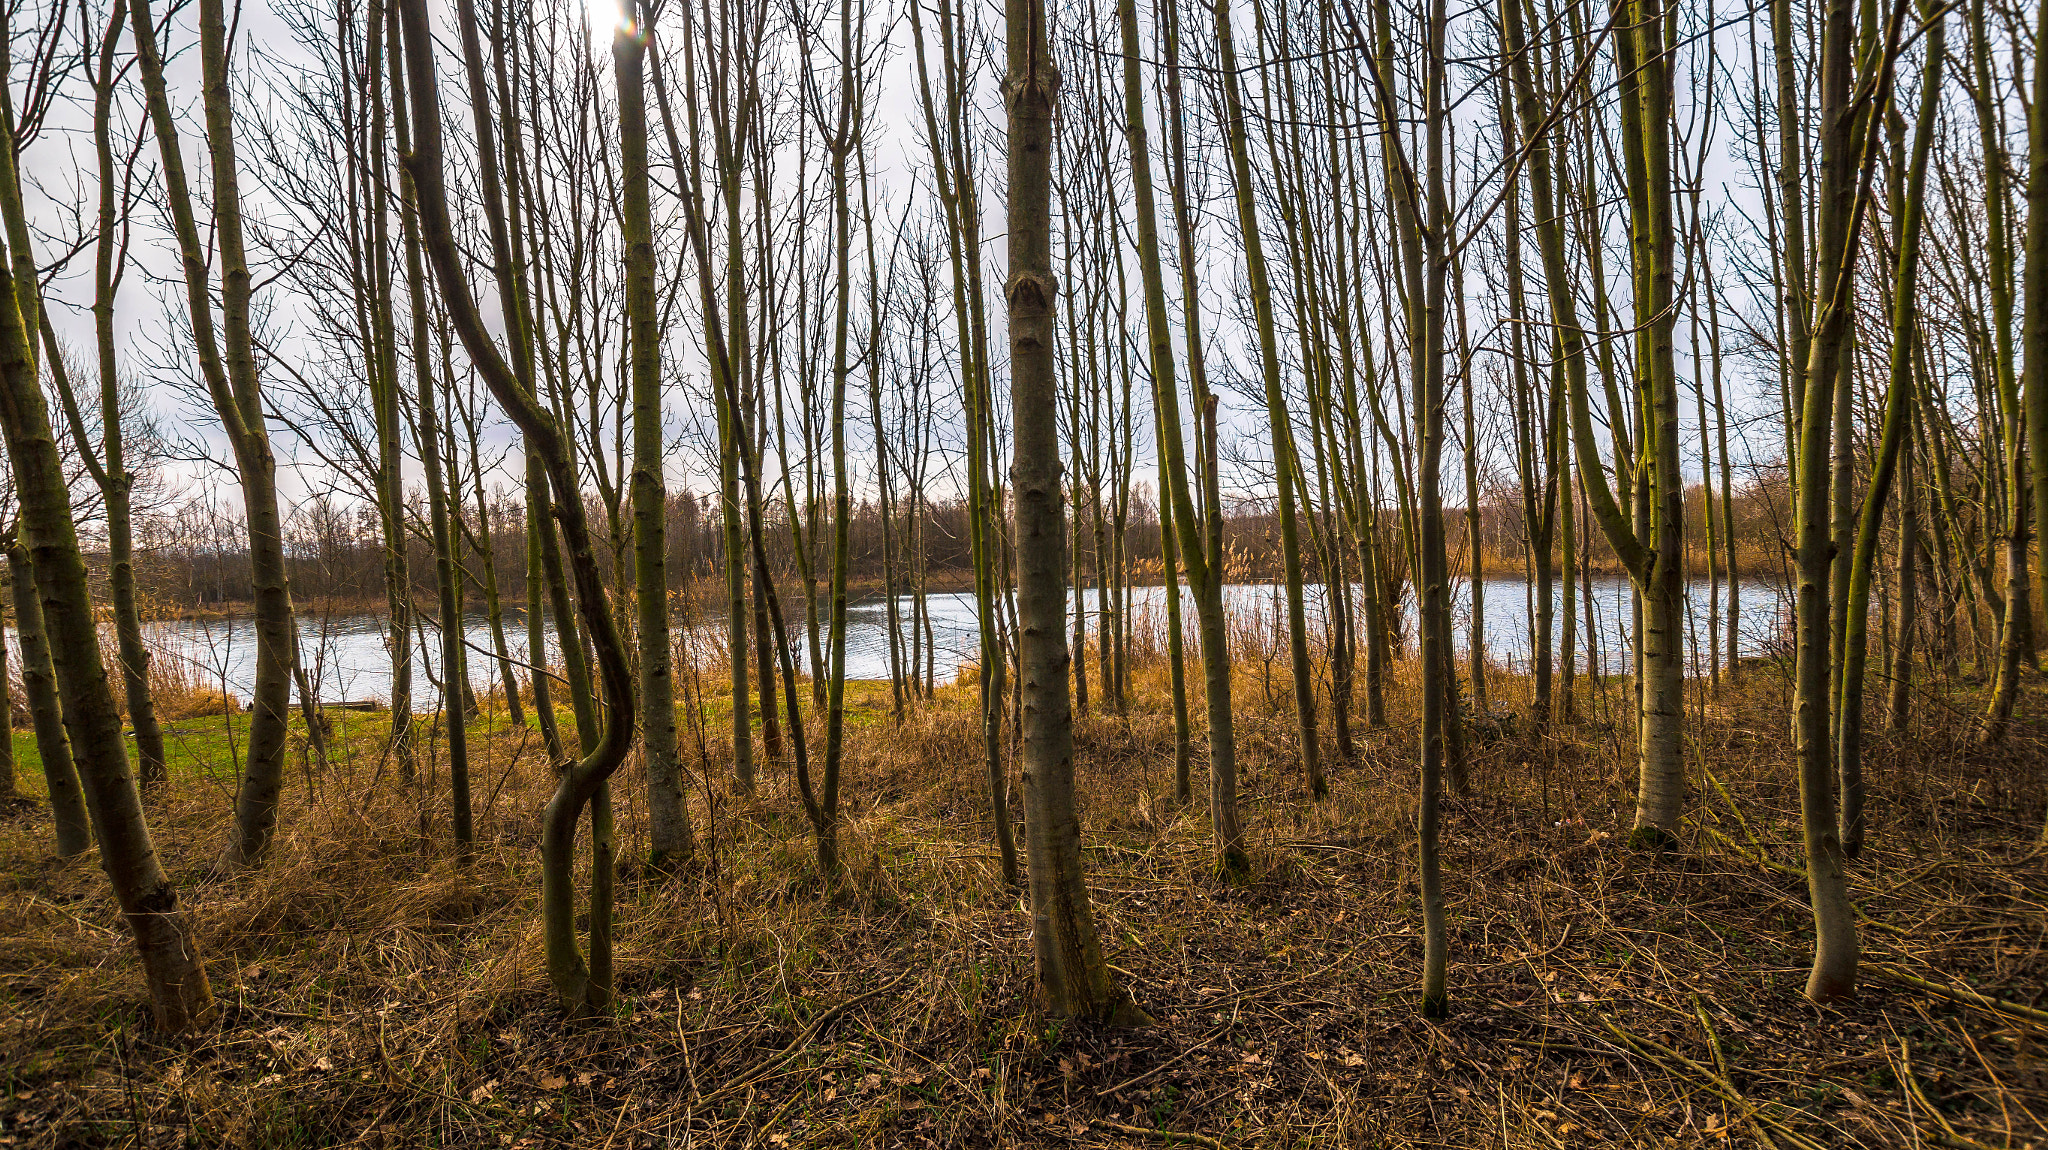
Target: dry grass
[{"x": 375, "y": 994}]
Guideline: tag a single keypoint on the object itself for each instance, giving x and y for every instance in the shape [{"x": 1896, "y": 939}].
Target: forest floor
[{"x": 374, "y": 993}]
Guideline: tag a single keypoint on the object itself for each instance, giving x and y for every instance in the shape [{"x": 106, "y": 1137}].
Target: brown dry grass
[{"x": 375, "y": 994}]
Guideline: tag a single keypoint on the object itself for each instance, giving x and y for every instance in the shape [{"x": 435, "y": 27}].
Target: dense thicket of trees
[{"x": 590, "y": 310}]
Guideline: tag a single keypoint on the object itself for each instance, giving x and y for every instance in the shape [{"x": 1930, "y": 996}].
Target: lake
[{"x": 348, "y": 658}]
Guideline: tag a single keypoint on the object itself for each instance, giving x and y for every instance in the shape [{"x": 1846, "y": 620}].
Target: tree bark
[
  {"x": 668, "y": 817},
  {"x": 1073, "y": 977},
  {"x": 180, "y": 997},
  {"x": 232, "y": 385},
  {"x": 46, "y": 713}
]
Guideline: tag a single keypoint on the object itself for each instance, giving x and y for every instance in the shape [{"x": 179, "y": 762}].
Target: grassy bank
[{"x": 376, "y": 994}]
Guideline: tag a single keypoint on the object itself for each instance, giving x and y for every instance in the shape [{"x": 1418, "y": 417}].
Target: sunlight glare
[{"x": 606, "y": 17}]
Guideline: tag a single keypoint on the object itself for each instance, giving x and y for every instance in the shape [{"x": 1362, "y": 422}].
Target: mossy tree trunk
[
  {"x": 45, "y": 710},
  {"x": 227, "y": 365},
  {"x": 180, "y": 996},
  {"x": 668, "y": 817}
]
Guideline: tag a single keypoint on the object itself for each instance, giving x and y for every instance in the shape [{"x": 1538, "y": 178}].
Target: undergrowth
[{"x": 374, "y": 993}]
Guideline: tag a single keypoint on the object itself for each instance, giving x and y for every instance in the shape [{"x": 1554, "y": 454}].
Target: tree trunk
[
  {"x": 180, "y": 996},
  {"x": 582, "y": 990},
  {"x": 1847, "y": 157},
  {"x": 668, "y": 816},
  {"x": 232, "y": 385},
  {"x": 1073, "y": 976},
  {"x": 1276, "y": 405},
  {"x": 388, "y": 481},
  {"x": 1892, "y": 439},
  {"x": 2034, "y": 283},
  {"x": 10, "y": 787},
  {"x": 46, "y": 714},
  {"x": 1899, "y": 710},
  {"x": 120, "y": 482}
]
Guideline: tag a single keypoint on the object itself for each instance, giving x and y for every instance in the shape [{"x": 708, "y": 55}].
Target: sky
[{"x": 59, "y": 169}]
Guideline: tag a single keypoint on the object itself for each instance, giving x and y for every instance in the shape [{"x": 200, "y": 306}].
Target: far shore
[{"x": 710, "y": 591}]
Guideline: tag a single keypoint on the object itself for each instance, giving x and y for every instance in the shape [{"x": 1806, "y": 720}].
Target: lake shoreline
[
  {"x": 348, "y": 651},
  {"x": 710, "y": 595}
]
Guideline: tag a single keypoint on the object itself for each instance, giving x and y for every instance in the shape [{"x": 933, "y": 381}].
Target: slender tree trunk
[
  {"x": 1892, "y": 439},
  {"x": 120, "y": 485},
  {"x": 180, "y": 996},
  {"x": 668, "y": 815},
  {"x": 1898, "y": 712},
  {"x": 1073, "y": 976},
  {"x": 1847, "y": 158},
  {"x": 231, "y": 383},
  {"x": 1733, "y": 617},
  {"x": 439, "y": 518},
  {"x": 1177, "y": 527},
  {"x": 824, "y": 806},
  {"x": 2013, "y": 475},
  {"x": 1276, "y": 405},
  {"x": 955, "y": 188},
  {"x": 537, "y": 529},
  {"x": 385, "y": 395},
  {"x": 2034, "y": 283},
  {"x": 1425, "y": 270},
  {"x": 1078, "y": 486},
  {"x": 1661, "y": 492},
  {"x": 886, "y": 504},
  {"x": 1200, "y": 532},
  {"x": 10, "y": 787},
  {"x": 494, "y": 606},
  {"x": 430, "y": 456},
  {"x": 46, "y": 714}
]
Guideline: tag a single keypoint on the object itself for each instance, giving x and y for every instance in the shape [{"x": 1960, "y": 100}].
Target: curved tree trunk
[
  {"x": 180, "y": 996},
  {"x": 583, "y": 990},
  {"x": 228, "y": 366}
]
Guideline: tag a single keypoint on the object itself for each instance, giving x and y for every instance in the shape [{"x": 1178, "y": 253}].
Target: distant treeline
[{"x": 194, "y": 557}]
